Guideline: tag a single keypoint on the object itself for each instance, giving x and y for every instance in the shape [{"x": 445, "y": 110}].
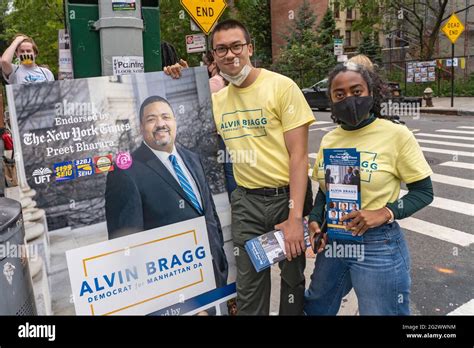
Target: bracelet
[{"x": 392, "y": 217}]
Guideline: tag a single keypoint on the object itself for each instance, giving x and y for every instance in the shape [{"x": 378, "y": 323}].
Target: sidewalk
[
  {"x": 349, "y": 304},
  {"x": 463, "y": 106}
]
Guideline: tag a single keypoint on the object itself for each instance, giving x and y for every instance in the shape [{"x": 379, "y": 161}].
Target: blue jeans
[{"x": 378, "y": 268}]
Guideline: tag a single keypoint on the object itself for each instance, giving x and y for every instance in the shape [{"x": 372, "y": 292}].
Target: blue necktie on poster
[{"x": 185, "y": 183}]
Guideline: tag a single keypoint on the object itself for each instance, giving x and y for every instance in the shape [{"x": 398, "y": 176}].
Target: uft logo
[{"x": 42, "y": 175}]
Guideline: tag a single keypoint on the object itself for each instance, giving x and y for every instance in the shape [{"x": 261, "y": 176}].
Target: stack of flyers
[
  {"x": 269, "y": 248},
  {"x": 342, "y": 180}
]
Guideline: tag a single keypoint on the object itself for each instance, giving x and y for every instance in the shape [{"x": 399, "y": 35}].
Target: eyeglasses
[{"x": 221, "y": 51}]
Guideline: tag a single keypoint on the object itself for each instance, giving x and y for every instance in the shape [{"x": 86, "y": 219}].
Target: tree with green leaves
[
  {"x": 255, "y": 15},
  {"x": 420, "y": 21},
  {"x": 371, "y": 48},
  {"x": 175, "y": 24},
  {"x": 299, "y": 59},
  {"x": 40, "y": 20},
  {"x": 325, "y": 40}
]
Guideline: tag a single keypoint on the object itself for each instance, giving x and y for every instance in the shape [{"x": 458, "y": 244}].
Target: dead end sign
[{"x": 205, "y": 12}]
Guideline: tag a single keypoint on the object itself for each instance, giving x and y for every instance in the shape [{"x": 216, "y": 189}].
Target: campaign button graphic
[
  {"x": 64, "y": 171},
  {"x": 84, "y": 167},
  {"x": 103, "y": 164},
  {"x": 123, "y": 160}
]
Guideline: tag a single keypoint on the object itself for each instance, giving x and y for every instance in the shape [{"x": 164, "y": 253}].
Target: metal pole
[
  {"x": 452, "y": 75},
  {"x": 439, "y": 78},
  {"x": 405, "y": 77}
]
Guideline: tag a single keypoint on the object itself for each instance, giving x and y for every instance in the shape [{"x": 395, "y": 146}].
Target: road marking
[
  {"x": 414, "y": 130},
  {"x": 313, "y": 155},
  {"x": 437, "y": 231},
  {"x": 465, "y": 127},
  {"x": 449, "y": 204},
  {"x": 465, "y": 309},
  {"x": 448, "y": 143},
  {"x": 321, "y": 122},
  {"x": 452, "y": 180},
  {"x": 454, "y": 131},
  {"x": 453, "y": 137},
  {"x": 448, "y": 152},
  {"x": 462, "y": 165}
]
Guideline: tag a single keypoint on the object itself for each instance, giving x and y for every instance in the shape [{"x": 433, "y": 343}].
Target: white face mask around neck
[{"x": 238, "y": 79}]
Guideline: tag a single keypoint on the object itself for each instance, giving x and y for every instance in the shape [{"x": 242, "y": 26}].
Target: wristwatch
[{"x": 392, "y": 217}]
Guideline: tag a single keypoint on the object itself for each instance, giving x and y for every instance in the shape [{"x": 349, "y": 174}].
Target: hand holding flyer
[{"x": 342, "y": 179}]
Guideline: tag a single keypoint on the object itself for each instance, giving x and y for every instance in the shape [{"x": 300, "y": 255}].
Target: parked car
[{"x": 316, "y": 95}]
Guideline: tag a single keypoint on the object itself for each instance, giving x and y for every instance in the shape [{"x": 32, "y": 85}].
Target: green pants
[{"x": 252, "y": 216}]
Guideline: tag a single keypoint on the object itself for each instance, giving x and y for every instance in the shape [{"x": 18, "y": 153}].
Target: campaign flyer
[{"x": 342, "y": 180}]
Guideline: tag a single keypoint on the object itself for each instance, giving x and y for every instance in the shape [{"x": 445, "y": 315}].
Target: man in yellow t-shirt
[{"x": 263, "y": 118}]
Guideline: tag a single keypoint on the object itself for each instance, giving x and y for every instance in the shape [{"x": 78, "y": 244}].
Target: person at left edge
[
  {"x": 165, "y": 184},
  {"x": 25, "y": 49}
]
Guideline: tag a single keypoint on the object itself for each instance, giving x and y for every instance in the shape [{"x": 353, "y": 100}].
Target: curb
[{"x": 446, "y": 111}]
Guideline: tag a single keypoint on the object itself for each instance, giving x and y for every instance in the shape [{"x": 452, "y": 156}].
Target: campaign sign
[{"x": 142, "y": 273}]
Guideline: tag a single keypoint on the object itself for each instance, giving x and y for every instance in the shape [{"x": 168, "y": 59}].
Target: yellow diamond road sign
[
  {"x": 453, "y": 28},
  {"x": 205, "y": 12}
]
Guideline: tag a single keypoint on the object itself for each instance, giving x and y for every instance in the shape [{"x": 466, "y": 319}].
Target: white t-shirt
[{"x": 24, "y": 75}]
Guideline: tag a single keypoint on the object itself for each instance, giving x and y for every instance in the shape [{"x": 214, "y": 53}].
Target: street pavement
[{"x": 441, "y": 236}]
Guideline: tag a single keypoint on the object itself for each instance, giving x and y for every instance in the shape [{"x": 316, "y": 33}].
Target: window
[
  {"x": 337, "y": 34},
  {"x": 349, "y": 13},
  {"x": 348, "y": 41},
  {"x": 336, "y": 10}
]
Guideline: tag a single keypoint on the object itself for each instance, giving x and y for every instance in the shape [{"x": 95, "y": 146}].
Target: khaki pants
[{"x": 252, "y": 216}]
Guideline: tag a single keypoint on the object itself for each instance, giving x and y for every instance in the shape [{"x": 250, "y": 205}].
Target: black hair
[
  {"x": 169, "y": 56},
  {"x": 150, "y": 100},
  {"x": 374, "y": 84},
  {"x": 229, "y": 24}
]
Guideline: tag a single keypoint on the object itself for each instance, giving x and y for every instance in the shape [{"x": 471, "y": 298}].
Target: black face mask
[{"x": 352, "y": 110}]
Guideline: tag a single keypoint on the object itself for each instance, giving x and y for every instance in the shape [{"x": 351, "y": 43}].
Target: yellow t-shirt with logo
[
  {"x": 252, "y": 121},
  {"x": 389, "y": 155}
]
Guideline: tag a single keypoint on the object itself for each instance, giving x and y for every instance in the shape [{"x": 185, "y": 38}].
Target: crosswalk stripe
[
  {"x": 449, "y": 204},
  {"x": 453, "y": 137},
  {"x": 452, "y": 180},
  {"x": 448, "y": 152},
  {"x": 313, "y": 155},
  {"x": 447, "y": 143},
  {"x": 321, "y": 122},
  {"x": 437, "y": 231},
  {"x": 414, "y": 130},
  {"x": 462, "y": 165},
  {"x": 454, "y": 131},
  {"x": 465, "y": 309},
  {"x": 465, "y": 127}
]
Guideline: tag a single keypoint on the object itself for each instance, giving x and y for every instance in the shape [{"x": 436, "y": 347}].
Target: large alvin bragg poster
[{"x": 118, "y": 159}]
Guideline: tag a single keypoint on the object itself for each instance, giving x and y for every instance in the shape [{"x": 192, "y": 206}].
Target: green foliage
[
  {"x": 255, "y": 15},
  {"x": 371, "y": 48},
  {"x": 175, "y": 25},
  {"x": 325, "y": 40},
  {"x": 40, "y": 19},
  {"x": 308, "y": 55}
]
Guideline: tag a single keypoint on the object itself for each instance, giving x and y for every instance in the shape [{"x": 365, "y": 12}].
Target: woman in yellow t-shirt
[{"x": 378, "y": 266}]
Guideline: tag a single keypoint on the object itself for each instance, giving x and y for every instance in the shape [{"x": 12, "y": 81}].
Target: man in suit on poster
[{"x": 165, "y": 184}]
